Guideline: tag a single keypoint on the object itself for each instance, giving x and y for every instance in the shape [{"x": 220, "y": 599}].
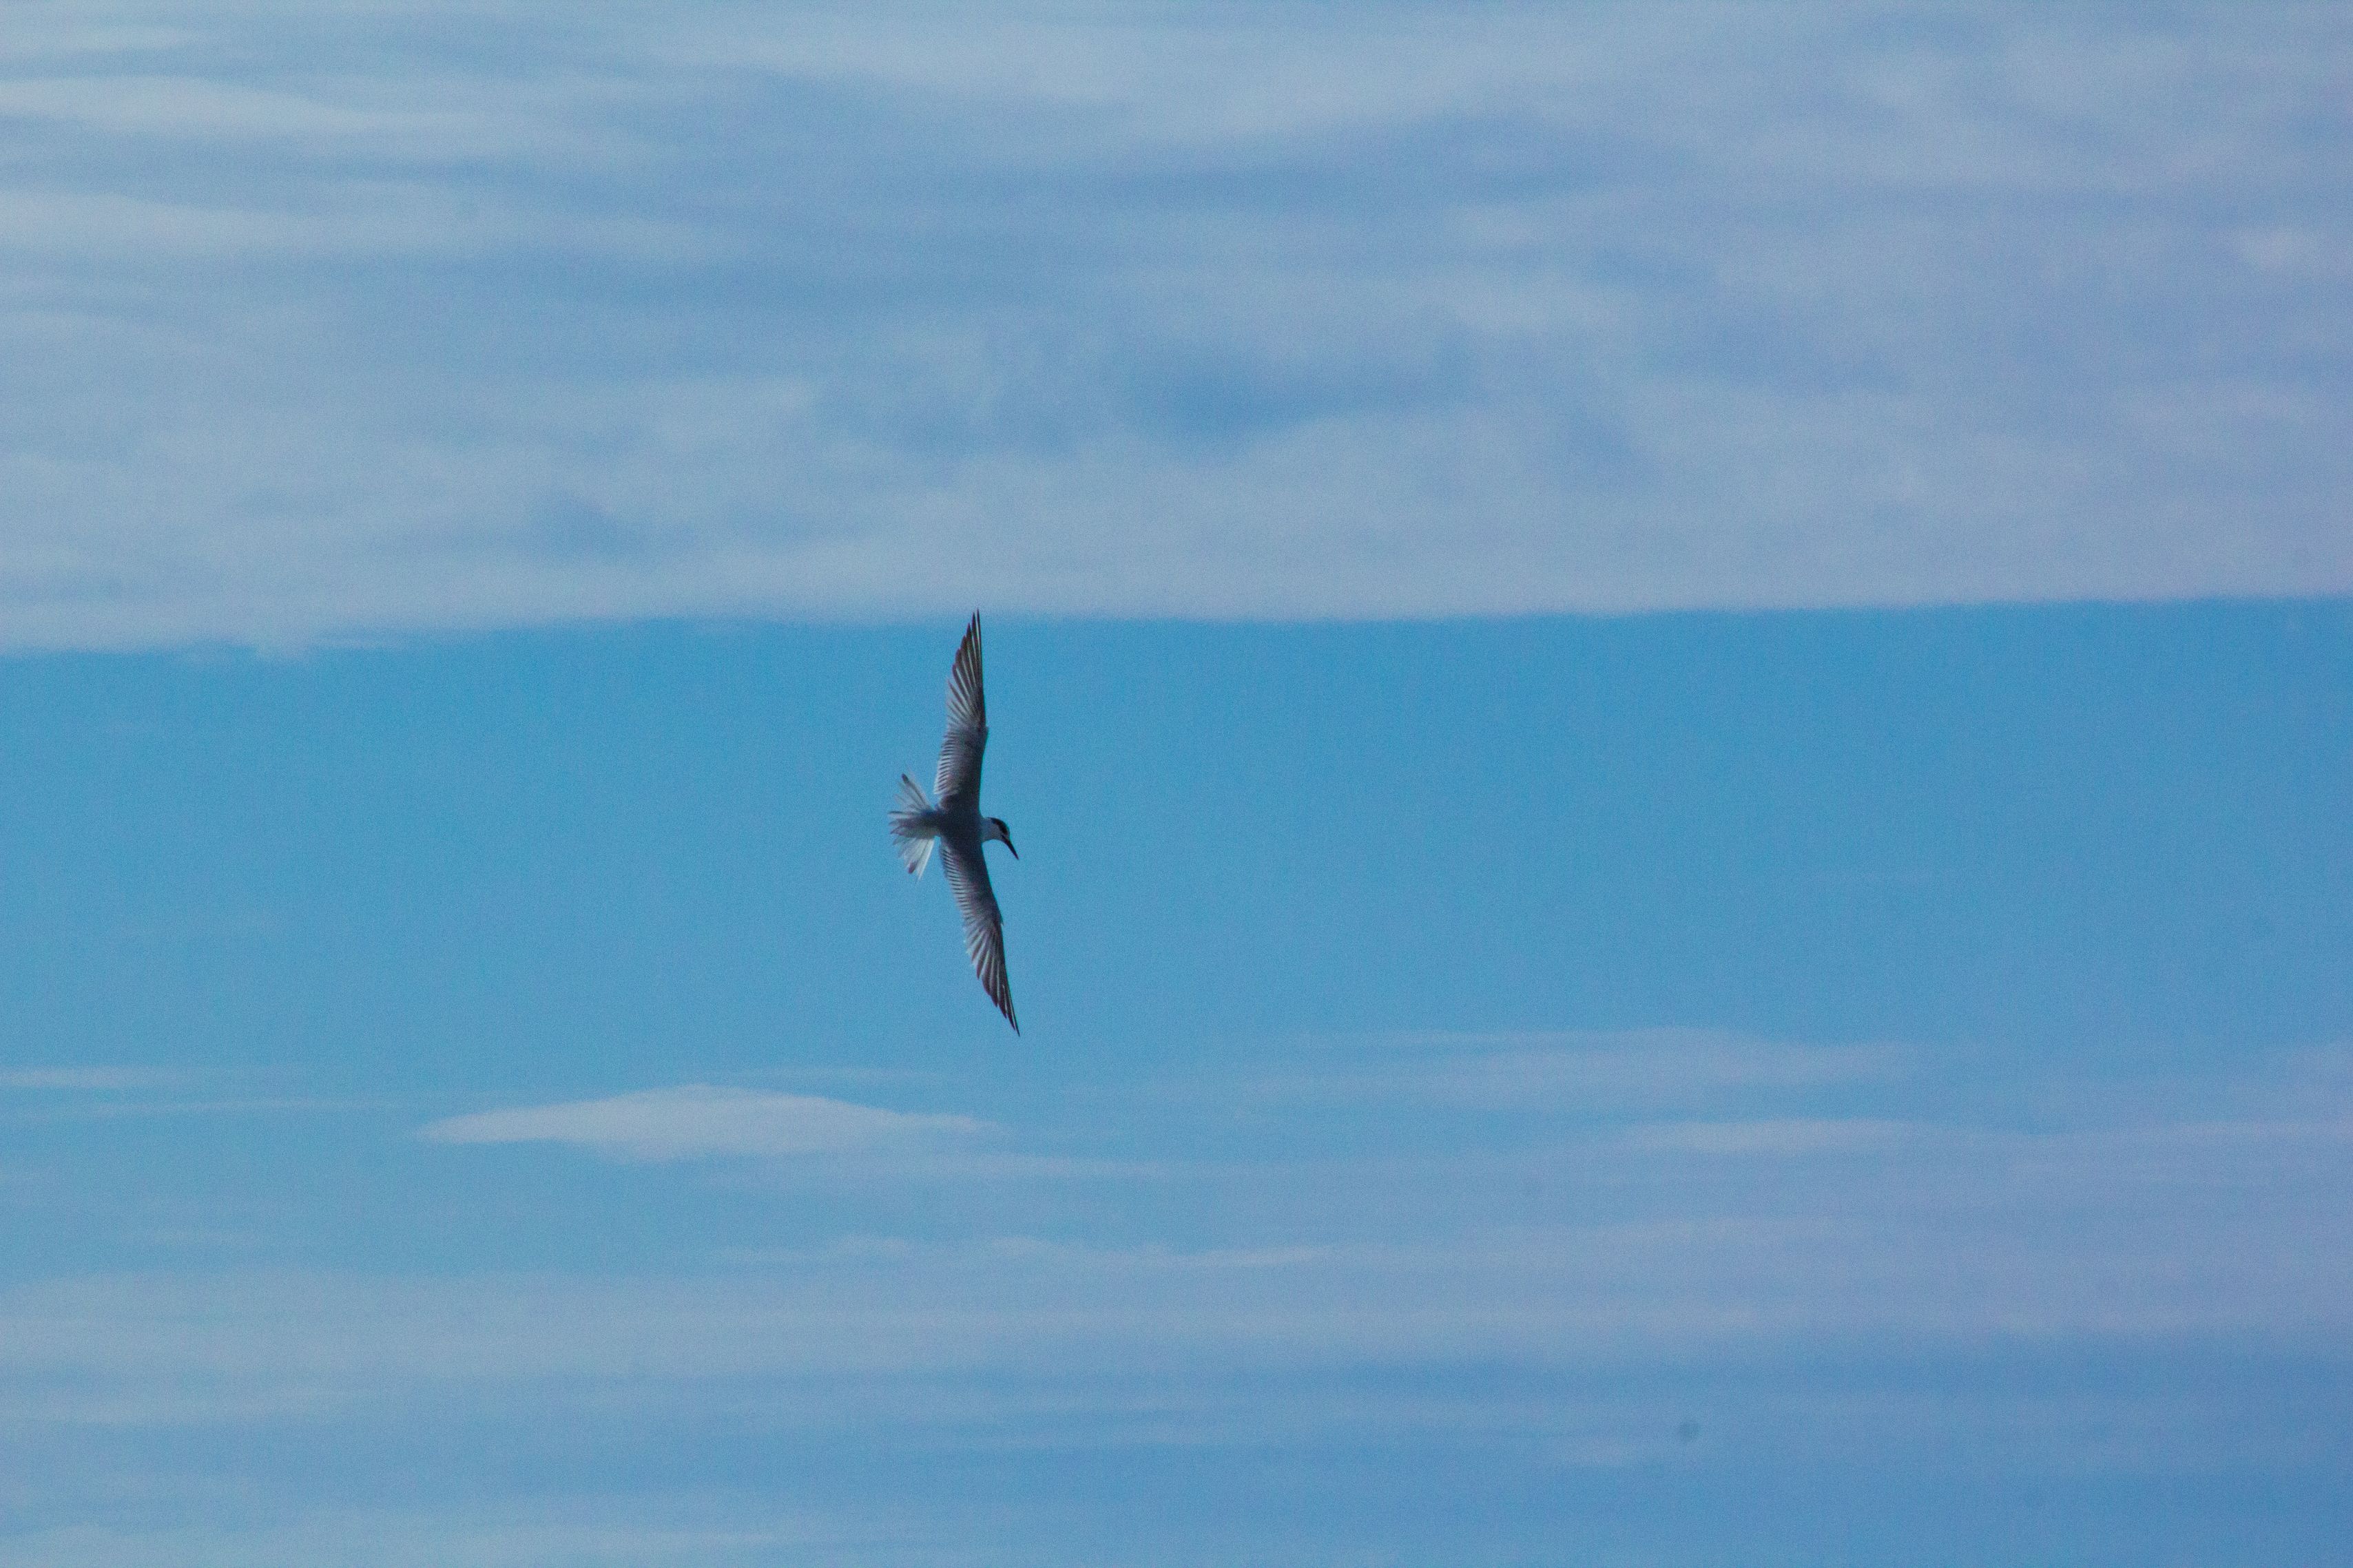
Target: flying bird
[{"x": 957, "y": 827}]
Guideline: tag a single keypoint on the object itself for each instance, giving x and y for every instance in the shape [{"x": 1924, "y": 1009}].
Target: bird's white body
[
  {"x": 955, "y": 827},
  {"x": 918, "y": 826}
]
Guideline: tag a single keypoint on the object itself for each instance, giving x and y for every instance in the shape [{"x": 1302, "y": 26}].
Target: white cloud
[
  {"x": 2155, "y": 1286},
  {"x": 1264, "y": 312},
  {"x": 59, "y": 1094},
  {"x": 1952, "y": 1241},
  {"x": 420, "y": 1540},
  {"x": 96, "y": 1077},
  {"x": 168, "y": 106},
  {"x": 698, "y": 1119},
  {"x": 1589, "y": 1071},
  {"x": 1784, "y": 1137}
]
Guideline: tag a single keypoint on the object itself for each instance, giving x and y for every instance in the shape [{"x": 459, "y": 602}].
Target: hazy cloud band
[{"x": 321, "y": 323}]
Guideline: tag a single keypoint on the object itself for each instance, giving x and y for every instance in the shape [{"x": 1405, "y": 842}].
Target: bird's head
[{"x": 1003, "y": 835}]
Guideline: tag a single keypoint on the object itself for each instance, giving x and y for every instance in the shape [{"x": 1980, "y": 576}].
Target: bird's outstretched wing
[
  {"x": 984, "y": 927},
  {"x": 967, "y": 737}
]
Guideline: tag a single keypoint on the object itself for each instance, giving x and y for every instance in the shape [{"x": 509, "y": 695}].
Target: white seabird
[{"x": 957, "y": 825}]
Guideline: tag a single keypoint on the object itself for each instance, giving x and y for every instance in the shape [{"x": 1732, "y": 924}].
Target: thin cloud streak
[
  {"x": 1587, "y": 1071},
  {"x": 98, "y": 1079},
  {"x": 515, "y": 1538},
  {"x": 699, "y": 1121}
]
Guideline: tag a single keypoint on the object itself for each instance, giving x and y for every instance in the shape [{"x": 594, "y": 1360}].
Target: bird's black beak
[{"x": 1008, "y": 844}]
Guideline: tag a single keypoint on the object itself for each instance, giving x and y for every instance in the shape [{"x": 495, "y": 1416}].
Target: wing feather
[
  {"x": 984, "y": 926},
  {"x": 967, "y": 736}
]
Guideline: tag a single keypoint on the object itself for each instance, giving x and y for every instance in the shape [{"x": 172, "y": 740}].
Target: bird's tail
[{"x": 911, "y": 825}]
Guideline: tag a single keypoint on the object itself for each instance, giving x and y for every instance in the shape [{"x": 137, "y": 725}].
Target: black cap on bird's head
[{"x": 999, "y": 831}]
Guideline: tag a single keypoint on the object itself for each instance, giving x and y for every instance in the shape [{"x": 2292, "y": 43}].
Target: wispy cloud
[
  {"x": 421, "y": 1539},
  {"x": 1770, "y": 1138},
  {"x": 1234, "y": 313},
  {"x": 129, "y": 1093},
  {"x": 1854, "y": 1284},
  {"x": 698, "y": 1120},
  {"x": 1587, "y": 1071},
  {"x": 95, "y": 1079},
  {"x": 1822, "y": 1238}
]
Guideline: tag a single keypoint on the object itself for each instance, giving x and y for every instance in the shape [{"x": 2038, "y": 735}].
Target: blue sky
[
  {"x": 497, "y": 1099},
  {"x": 1676, "y": 688}
]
